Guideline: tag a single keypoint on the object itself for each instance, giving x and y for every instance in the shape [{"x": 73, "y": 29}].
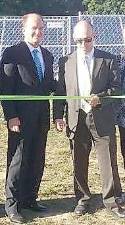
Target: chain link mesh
[
  {"x": 108, "y": 30},
  {"x": 58, "y": 33}
]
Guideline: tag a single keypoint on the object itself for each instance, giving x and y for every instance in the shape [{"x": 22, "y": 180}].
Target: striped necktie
[{"x": 38, "y": 64}]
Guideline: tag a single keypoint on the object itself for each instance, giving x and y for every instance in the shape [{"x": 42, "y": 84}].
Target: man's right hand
[
  {"x": 60, "y": 124},
  {"x": 14, "y": 124}
]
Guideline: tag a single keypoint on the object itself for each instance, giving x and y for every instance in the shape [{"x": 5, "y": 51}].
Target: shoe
[
  {"x": 121, "y": 201},
  {"x": 81, "y": 209},
  {"x": 119, "y": 212},
  {"x": 35, "y": 206},
  {"x": 16, "y": 218}
]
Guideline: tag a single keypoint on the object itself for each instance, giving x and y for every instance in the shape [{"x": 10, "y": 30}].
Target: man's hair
[
  {"x": 75, "y": 29},
  {"x": 26, "y": 16},
  {"x": 86, "y": 21}
]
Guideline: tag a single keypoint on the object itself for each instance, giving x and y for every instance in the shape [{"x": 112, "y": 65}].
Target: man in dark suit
[
  {"x": 27, "y": 69},
  {"x": 120, "y": 110},
  {"x": 90, "y": 72}
]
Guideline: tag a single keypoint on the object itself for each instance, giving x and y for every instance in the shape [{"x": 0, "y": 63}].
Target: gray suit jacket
[{"x": 105, "y": 81}]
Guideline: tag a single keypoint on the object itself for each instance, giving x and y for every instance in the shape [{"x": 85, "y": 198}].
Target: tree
[
  {"x": 105, "y": 6},
  {"x": 61, "y": 7}
]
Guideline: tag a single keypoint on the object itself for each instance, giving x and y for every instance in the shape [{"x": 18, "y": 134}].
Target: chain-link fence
[
  {"x": 58, "y": 33},
  {"x": 109, "y": 31}
]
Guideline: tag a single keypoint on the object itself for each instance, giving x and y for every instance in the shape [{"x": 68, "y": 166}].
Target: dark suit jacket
[
  {"x": 105, "y": 81},
  {"x": 18, "y": 73}
]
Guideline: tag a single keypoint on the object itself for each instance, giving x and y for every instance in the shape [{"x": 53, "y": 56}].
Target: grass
[{"x": 56, "y": 190}]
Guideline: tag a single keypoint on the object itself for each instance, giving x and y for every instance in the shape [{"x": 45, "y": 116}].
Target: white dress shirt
[
  {"x": 90, "y": 61},
  {"x": 84, "y": 70}
]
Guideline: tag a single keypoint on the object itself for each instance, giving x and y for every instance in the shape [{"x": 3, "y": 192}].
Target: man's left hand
[{"x": 94, "y": 101}]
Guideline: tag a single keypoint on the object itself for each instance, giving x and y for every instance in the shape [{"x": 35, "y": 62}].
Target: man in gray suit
[{"x": 90, "y": 72}]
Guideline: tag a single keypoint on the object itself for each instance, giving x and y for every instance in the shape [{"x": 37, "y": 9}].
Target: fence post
[
  {"x": 2, "y": 35},
  {"x": 69, "y": 35},
  {"x": 79, "y": 15}
]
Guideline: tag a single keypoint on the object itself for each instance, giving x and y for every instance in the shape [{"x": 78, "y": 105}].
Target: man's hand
[
  {"x": 14, "y": 124},
  {"x": 60, "y": 124},
  {"x": 94, "y": 100}
]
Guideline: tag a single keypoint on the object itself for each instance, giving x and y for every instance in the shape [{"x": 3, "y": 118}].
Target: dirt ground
[{"x": 56, "y": 191}]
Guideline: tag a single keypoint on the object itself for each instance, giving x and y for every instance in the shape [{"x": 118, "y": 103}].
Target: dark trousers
[
  {"x": 107, "y": 158},
  {"x": 25, "y": 165},
  {"x": 122, "y": 142}
]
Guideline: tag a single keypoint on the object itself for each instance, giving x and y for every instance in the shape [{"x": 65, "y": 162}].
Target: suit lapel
[
  {"x": 71, "y": 74},
  {"x": 44, "y": 58},
  {"x": 26, "y": 54},
  {"x": 96, "y": 66},
  {"x": 71, "y": 80},
  {"x": 28, "y": 61},
  {"x": 98, "y": 60}
]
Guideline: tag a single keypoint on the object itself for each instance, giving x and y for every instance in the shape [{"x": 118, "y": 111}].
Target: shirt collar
[
  {"x": 90, "y": 54},
  {"x": 31, "y": 48},
  {"x": 81, "y": 54}
]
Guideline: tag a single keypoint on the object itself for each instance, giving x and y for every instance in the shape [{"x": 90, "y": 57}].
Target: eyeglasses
[{"x": 85, "y": 40}]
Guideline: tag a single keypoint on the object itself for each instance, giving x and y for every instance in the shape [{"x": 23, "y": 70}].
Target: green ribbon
[{"x": 50, "y": 97}]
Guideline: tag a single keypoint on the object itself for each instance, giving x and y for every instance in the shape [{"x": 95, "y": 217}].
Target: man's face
[
  {"x": 33, "y": 30},
  {"x": 84, "y": 37}
]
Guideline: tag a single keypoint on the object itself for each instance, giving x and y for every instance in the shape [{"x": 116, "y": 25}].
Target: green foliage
[
  {"x": 105, "y": 6},
  {"x": 61, "y": 7}
]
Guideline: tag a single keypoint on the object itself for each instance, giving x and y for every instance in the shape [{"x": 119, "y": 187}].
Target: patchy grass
[{"x": 56, "y": 190}]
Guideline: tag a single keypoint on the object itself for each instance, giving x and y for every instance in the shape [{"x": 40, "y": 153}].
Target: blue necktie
[{"x": 38, "y": 64}]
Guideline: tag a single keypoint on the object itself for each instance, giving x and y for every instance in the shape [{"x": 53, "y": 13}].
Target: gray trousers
[{"x": 107, "y": 158}]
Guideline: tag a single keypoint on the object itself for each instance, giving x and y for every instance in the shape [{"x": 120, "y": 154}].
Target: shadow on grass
[
  {"x": 54, "y": 207},
  {"x": 60, "y": 206}
]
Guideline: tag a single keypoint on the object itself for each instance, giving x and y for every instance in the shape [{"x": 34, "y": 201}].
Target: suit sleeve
[
  {"x": 59, "y": 105},
  {"x": 8, "y": 79},
  {"x": 114, "y": 83},
  {"x": 51, "y": 80}
]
